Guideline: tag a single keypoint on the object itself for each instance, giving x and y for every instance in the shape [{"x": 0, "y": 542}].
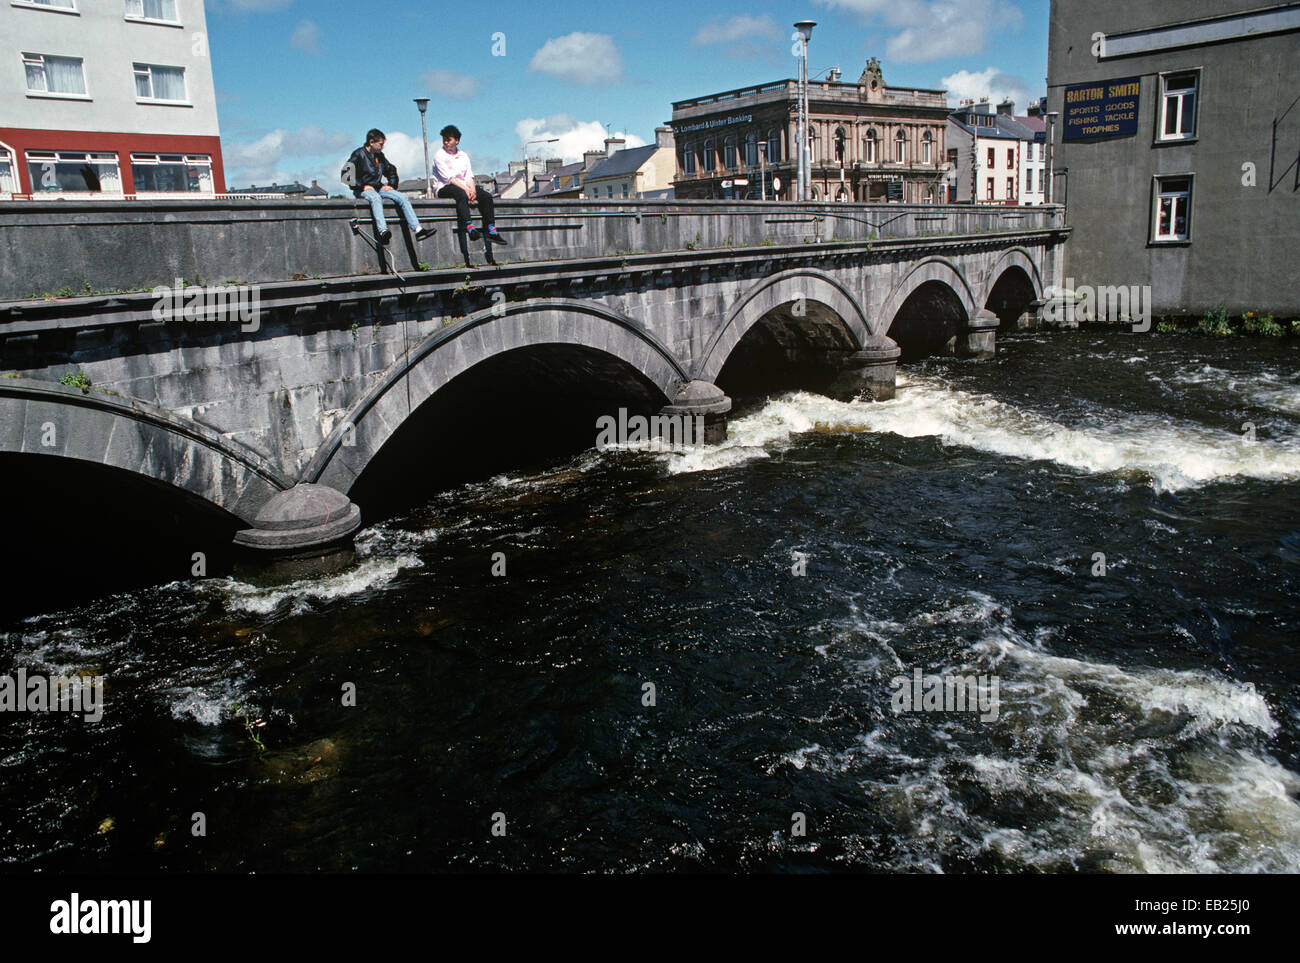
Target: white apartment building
[{"x": 107, "y": 98}]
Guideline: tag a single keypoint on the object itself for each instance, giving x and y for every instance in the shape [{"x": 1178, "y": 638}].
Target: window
[
  {"x": 688, "y": 159},
  {"x": 73, "y": 172},
  {"x": 60, "y": 4},
  {"x": 1042, "y": 180},
  {"x": 870, "y": 144},
  {"x": 1178, "y": 107},
  {"x": 900, "y": 147},
  {"x": 988, "y": 190},
  {"x": 773, "y": 146},
  {"x": 1011, "y": 158},
  {"x": 926, "y": 147},
  {"x": 54, "y": 75},
  {"x": 729, "y": 152},
  {"x": 710, "y": 164},
  {"x": 164, "y": 10},
  {"x": 8, "y": 183},
  {"x": 625, "y": 188},
  {"x": 1011, "y": 188},
  {"x": 993, "y": 161},
  {"x": 172, "y": 173},
  {"x": 609, "y": 190},
  {"x": 840, "y": 140},
  {"x": 952, "y": 156},
  {"x": 159, "y": 83},
  {"x": 1173, "y": 209},
  {"x": 751, "y": 150}
]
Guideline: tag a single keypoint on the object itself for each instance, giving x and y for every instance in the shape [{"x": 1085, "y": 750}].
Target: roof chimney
[
  {"x": 591, "y": 158},
  {"x": 553, "y": 162},
  {"x": 664, "y": 137},
  {"x": 1007, "y": 108},
  {"x": 835, "y": 75},
  {"x": 613, "y": 144}
]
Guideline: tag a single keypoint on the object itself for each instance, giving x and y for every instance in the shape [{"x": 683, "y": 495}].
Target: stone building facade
[{"x": 867, "y": 141}]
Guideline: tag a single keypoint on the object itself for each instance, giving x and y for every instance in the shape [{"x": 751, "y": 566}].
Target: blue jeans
[{"x": 376, "y": 201}]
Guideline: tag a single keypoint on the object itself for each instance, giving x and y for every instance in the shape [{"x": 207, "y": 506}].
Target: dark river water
[{"x": 1147, "y": 717}]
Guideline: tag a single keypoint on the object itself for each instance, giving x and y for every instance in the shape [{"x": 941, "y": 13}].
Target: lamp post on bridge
[
  {"x": 423, "y": 104},
  {"x": 805, "y": 28}
]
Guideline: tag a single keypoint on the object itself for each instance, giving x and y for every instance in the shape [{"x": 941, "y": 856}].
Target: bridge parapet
[{"x": 70, "y": 248}]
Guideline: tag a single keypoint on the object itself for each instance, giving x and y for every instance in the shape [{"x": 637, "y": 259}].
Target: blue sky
[{"x": 298, "y": 82}]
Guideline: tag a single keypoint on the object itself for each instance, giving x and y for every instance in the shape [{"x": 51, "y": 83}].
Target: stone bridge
[{"x": 338, "y": 374}]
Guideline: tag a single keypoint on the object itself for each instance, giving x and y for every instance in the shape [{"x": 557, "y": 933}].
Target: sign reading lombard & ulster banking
[{"x": 1107, "y": 108}]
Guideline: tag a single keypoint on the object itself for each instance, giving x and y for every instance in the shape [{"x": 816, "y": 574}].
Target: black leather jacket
[{"x": 369, "y": 168}]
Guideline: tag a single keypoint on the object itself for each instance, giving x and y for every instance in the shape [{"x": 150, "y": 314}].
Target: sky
[{"x": 299, "y": 82}]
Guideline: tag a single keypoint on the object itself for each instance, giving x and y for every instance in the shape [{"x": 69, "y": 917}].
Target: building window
[
  {"x": 751, "y": 150},
  {"x": 625, "y": 188},
  {"x": 927, "y": 145},
  {"x": 8, "y": 183},
  {"x": 993, "y": 160},
  {"x": 988, "y": 190},
  {"x": 1042, "y": 179},
  {"x": 1011, "y": 188},
  {"x": 59, "y": 4},
  {"x": 812, "y": 147},
  {"x": 1178, "y": 106},
  {"x": 54, "y": 75},
  {"x": 73, "y": 172},
  {"x": 159, "y": 83},
  {"x": 609, "y": 190},
  {"x": 1173, "y": 208},
  {"x": 773, "y": 146},
  {"x": 1011, "y": 158},
  {"x": 870, "y": 145},
  {"x": 840, "y": 140},
  {"x": 161, "y": 10},
  {"x": 168, "y": 173},
  {"x": 710, "y": 164},
  {"x": 688, "y": 159},
  {"x": 729, "y": 152},
  {"x": 900, "y": 147}
]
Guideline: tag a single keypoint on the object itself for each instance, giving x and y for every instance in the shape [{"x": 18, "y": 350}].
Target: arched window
[
  {"x": 841, "y": 195},
  {"x": 751, "y": 149},
  {"x": 840, "y": 140},
  {"x": 812, "y": 146},
  {"x": 927, "y": 148},
  {"x": 869, "y": 144},
  {"x": 773, "y": 146},
  {"x": 729, "y": 152},
  {"x": 900, "y": 147},
  {"x": 688, "y": 159},
  {"x": 710, "y": 162}
]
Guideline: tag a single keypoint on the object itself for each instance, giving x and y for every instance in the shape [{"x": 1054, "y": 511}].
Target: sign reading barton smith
[{"x": 1108, "y": 108}]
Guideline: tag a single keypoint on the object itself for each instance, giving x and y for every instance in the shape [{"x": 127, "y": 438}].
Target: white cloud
[
  {"x": 264, "y": 160},
  {"x": 990, "y": 83},
  {"x": 574, "y": 136},
  {"x": 935, "y": 29},
  {"x": 585, "y": 59},
  {"x": 449, "y": 85},
  {"x": 306, "y": 37},
  {"x": 747, "y": 37}
]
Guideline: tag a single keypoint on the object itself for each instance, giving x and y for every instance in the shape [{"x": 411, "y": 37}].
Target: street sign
[
  {"x": 776, "y": 183},
  {"x": 726, "y": 185},
  {"x": 741, "y": 182}
]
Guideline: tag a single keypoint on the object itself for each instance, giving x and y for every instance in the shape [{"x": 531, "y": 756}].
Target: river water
[{"x": 1147, "y": 716}]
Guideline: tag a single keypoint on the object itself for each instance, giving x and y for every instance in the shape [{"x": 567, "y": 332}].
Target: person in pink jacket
[{"x": 454, "y": 179}]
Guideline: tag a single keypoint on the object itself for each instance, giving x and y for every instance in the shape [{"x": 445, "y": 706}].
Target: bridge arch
[
  {"x": 1012, "y": 283},
  {"x": 772, "y": 292},
  {"x": 446, "y": 354},
  {"x": 932, "y": 269},
  {"x": 45, "y": 418}
]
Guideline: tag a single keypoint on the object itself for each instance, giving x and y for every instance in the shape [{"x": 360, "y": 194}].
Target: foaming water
[
  {"x": 1174, "y": 456},
  {"x": 1130, "y": 769}
]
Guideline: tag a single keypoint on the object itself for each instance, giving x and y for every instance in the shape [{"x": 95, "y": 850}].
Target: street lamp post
[
  {"x": 1051, "y": 155},
  {"x": 423, "y": 104},
  {"x": 805, "y": 28},
  {"x": 549, "y": 140}
]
